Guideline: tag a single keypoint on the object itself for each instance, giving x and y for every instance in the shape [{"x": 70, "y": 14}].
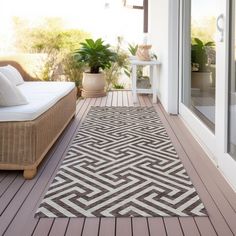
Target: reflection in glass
[
  {"x": 199, "y": 82},
  {"x": 232, "y": 92}
]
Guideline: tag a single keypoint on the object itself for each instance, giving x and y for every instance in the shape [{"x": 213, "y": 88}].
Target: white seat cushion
[
  {"x": 10, "y": 95},
  {"x": 41, "y": 97},
  {"x": 12, "y": 74}
]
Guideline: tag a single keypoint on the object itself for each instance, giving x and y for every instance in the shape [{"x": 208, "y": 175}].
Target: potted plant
[
  {"x": 201, "y": 74},
  {"x": 143, "y": 81},
  {"x": 97, "y": 56}
]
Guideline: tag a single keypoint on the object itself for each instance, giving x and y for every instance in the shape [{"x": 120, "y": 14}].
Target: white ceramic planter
[
  {"x": 201, "y": 80},
  {"x": 93, "y": 85}
]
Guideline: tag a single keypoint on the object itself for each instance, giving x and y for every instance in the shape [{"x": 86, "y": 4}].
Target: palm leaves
[
  {"x": 95, "y": 54},
  {"x": 199, "y": 53},
  {"x": 133, "y": 49}
]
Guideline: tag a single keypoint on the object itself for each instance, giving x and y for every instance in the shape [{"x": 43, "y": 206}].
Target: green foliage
[
  {"x": 47, "y": 36},
  {"x": 73, "y": 70},
  {"x": 44, "y": 40},
  {"x": 199, "y": 53},
  {"x": 54, "y": 43},
  {"x": 46, "y": 66},
  {"x": 95, "y": 54},
  {"x": 204, "y": 28},
  {"x": 118, "y": 86},
  {"x": 119, "y": 66},
  {"x": 133, "y": 49}
]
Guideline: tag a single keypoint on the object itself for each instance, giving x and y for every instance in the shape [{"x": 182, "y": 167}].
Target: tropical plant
[
  {"x": 199, "y": 54},
  {"x": 95, "y": 54},
  {"x": 133, "y": 49}
]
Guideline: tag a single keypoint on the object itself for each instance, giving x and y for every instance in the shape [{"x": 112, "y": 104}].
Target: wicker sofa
[{"x": 23, "y": 144}]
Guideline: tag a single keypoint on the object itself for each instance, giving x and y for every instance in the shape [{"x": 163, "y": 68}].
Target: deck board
[
  {"x": 205, "y": 226},
  {"x": 130, "y": 99},
  {"x": 109, "y": 99},
  {"x": 123, "y": 227},
  {"x": 43, "y": 227},
  {"x": 120, "y": 98},
  {"x": 114, "y": 98},
  {"x": 91, "y": 227},
  {"x": 3, "y": 175},
  {"x": 59, "y": 227},
  {"x": 75, "y": 227},
  {"x": 189, "y": 226},
  {"x": 173, "y": 227},
  {"x": 140, "y": 227},
  {"x": 4, "y": 185},
  {"x": 104, "y": 101},
  {"x": 107, "y": 227},
  {"x": 125, "y": 99},
  {"x": 10, "y": 193},
  {"x": 19, "y": 199},
  {"x": 156, "y": 226}
]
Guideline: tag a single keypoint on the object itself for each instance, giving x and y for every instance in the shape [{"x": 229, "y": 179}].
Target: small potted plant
[
  {"x": 97, "y": 56},
  {"x": 201, "y": 74}
]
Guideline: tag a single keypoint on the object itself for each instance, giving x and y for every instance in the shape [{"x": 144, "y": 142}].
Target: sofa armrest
[{"x": 23, "y": 72}]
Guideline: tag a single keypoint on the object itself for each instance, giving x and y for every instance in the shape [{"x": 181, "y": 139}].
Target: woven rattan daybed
[{"x": 23, "y": 144}]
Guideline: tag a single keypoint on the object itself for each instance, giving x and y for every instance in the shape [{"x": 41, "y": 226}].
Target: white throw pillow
[
  {"x": 12, "y": 74},
  {"x": 10, "y": 95}
]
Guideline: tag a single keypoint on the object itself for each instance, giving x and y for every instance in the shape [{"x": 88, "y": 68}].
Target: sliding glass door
[
  {"x": 200, "y": 71},
  {"x": 208, "y": 78},
  {"x": 200, "y": 65}
]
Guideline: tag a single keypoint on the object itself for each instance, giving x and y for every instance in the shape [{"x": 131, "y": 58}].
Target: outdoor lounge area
[
  {"x": 39, "y": 123},
  {"x": 117, "y": 118}
]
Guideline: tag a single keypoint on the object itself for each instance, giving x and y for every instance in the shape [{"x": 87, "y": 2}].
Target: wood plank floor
[{"x": 19, "y": 198}]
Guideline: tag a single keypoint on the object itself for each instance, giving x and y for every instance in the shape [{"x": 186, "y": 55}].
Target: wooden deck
[{"x": 19, "y": 199}]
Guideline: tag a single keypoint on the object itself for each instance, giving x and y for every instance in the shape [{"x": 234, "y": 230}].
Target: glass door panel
[
  {"x": 199, "y": 80},
  {"x": 232, "y": 88}
]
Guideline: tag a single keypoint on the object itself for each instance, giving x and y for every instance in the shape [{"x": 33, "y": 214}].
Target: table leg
[
  {"x": 154, "y": 84},
  {"x": 134, "y": 83}
]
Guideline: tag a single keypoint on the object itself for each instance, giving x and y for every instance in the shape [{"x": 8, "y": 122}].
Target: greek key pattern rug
[{"x": 121, "y": 164}]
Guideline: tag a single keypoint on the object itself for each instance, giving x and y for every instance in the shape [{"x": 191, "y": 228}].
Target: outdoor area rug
[{"x": 121, "y": 164}]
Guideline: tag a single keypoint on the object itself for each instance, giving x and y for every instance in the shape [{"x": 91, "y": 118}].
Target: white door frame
[
  {"x": 215, "y": 144},
  {"x": 226, "y": 163},
  {"x": 173, "y": 55}
]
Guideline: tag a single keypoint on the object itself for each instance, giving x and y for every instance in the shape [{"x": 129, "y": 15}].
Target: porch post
[
  {"x": 173, "y": 56},
  {"x": 145, "y": 16}
]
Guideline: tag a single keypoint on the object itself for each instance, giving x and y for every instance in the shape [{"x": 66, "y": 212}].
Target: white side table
[{"x": 153, "y": 79}]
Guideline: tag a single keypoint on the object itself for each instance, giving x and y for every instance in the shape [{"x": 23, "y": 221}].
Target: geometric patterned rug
[{"x": 121, "y": 163}]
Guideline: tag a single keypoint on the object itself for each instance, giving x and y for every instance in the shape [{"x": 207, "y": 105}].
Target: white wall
[{"x": 163, "y": 35}]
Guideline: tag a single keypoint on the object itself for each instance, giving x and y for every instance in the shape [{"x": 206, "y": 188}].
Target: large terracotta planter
[{"x": 93, "y": 85}]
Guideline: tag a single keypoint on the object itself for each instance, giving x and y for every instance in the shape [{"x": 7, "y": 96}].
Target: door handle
[{"x": 220, "y": 27}]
